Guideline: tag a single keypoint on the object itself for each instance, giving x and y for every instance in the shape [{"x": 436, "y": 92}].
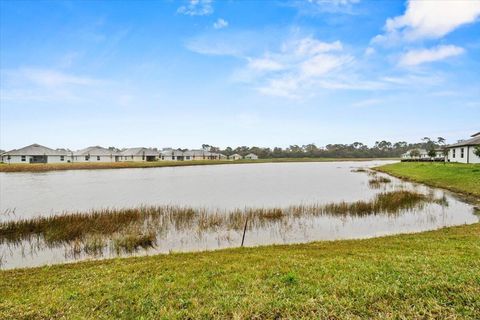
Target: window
[
  {"x": 62, "y": 158},
  {"x": 173, "y": 157},
  {"x": 453, "y": 153},
  {"x": 24, "y": 158},
  {"x": 98, "y": 158},
  {"x": 188, "y": 157}
]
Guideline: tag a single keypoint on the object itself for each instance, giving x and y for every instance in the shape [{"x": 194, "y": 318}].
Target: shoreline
[
  {"x": 470, "y": 195},
  {"x": 4, "y": 167}
]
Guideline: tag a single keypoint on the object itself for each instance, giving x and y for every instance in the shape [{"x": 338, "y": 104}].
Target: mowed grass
[
  {"x": 415, "y": 276},
  {"x": 41, "y": 167},
  {"x": 464, "y": 178}
]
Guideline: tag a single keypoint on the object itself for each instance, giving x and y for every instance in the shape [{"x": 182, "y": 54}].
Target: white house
[
  {"x": 235, "y": 156},
  {"x": 96, "y": 154},
  {"x": 36, "y": 153},
  {"x": 463, "y": 151},
  {"x": 251, "y": 156},
  {"x": 189, "y": 155},
  {"x": 139, "y": 154},
  {"x": 422, "y": 154}
]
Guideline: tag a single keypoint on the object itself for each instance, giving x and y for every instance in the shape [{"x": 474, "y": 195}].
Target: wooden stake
[{"x": 244, "y": 230}]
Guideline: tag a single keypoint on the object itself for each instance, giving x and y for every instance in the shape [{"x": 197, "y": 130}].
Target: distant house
[
  {"x": 96, "y": 154},
  {"x": 139, "y": 154},
  {"x": 189, "y": 155},
  {"x": 251, "y": 156},
  {"x": 235, "y": 156},
  {"x": 36, "y": 153},
  {"x": 463, "y": 151},
  {"x": 415, "y": 154}
]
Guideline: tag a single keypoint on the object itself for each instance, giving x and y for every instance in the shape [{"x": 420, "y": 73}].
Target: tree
[
  {"x": 441, "y": 140},
  {"x": 476, "y": 151},
  {"x": 432, "y": 153},
  {"x": 415, "y": 153}
]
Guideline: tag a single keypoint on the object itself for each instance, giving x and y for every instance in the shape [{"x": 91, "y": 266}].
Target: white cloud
[
  {"x": 416, "y": 57},
  {"x": 265, "y": 64},
  {"x": 310, "y": 46},
  {"x": 220, "y": 24},
  {"x": 425, "y": 19},
  {"x": 370, "y": 51},
  {"x": 40, "y": 84},
  {"x": 329, "y": 6},
  {"x": 52, "y": 78},
  {"x": 197, "y": 8},
  {"x": 299, "y": 65}
]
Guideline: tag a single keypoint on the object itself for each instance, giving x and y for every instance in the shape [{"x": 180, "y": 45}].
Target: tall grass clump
[{"x": 377, "y": 182}]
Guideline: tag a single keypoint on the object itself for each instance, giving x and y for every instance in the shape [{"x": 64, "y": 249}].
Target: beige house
[
  {"x": 235, "y": 156},
  {"x": 251, "y": 156}
]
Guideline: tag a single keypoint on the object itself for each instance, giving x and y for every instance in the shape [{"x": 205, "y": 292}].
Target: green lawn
[
  {"x": 464, "y": 178},
  {"x": 418, "y": 276},
  {"x": 26, "y": 167}
]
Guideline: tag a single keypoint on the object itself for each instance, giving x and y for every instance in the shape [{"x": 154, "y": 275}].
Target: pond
[{"x": 328, "y": 193}]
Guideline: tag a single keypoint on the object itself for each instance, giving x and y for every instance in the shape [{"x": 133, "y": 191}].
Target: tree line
[{"x": 381, "y": 149}]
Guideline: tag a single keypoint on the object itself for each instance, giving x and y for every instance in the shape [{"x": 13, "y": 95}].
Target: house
[
  {"x": 463, "y": 151},
  {"x": 139, "y": 154},
  {"x": 96, "y": 154},
  {"x": 422, "y": 154},
  {"x": 235, "y": 156},
  {"x": 189, "y": 155},
  {"x": 251, "y": 156},
  {"x": 416, "y": 154},
  {"x": 36, "y": 153}
]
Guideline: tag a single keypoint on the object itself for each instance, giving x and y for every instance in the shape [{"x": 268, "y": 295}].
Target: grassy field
[
  {"x": 464, "y": 178},
  {"x": 417, "y": 276},
  {"x": 122, "y": 165}
]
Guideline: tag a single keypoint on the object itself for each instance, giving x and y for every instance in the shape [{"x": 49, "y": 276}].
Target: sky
[{"x": 229, "y": 73}]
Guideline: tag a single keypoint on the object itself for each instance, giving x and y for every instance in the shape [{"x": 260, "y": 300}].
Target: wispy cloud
[
  {"x": 197, "y": 8},
  {"x": 310, "y": 7},
  {"x": 417, "y": 57},
  {"x": 42, "y": 84},
  {"x": 220, "y": 24},
  {"x": 429, "y": 20}
]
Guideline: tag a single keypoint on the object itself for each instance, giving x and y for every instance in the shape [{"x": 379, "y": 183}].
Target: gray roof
[
  {"x": 475, "y": 141},
  {"x": 36, "y": 150},
  {"x": 95, "y": 151},
  {"x": 140, "y": 151}
]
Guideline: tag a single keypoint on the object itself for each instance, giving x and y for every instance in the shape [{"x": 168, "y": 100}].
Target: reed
[
  {"x": 132, "y": 241},
  {"x": 377, "y": 182},
  {"x": 137, "y": 227}
]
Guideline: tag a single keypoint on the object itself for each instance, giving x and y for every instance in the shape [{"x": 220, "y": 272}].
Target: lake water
[{"x": 26, "y": 195}]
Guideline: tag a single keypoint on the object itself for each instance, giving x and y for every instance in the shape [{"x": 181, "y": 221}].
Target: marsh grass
[
  {"x": 130, "y": 229},
  {"x": 131, "y": 242},
  {"x": 377, "y": 182}
]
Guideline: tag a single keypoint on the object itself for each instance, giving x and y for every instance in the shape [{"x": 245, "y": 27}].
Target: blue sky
[{"x": 229, "y": 73}]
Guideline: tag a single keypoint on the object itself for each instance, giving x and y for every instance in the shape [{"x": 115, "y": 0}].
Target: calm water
[{"x": 223, "y": 187}]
